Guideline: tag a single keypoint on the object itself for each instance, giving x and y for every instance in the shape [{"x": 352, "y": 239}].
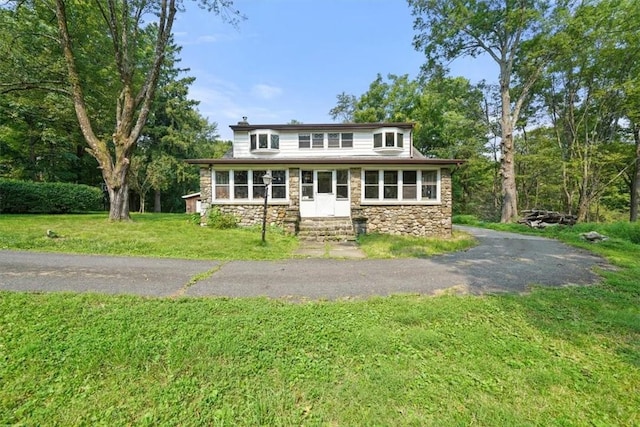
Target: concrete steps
[{"x": 326, "y": 229}]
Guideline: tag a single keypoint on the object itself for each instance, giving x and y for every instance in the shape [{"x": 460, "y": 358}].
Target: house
[{"x": 331, "y": 180}]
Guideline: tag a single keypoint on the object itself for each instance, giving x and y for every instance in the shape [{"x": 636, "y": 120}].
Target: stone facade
[{"x": 402, "y": 219}]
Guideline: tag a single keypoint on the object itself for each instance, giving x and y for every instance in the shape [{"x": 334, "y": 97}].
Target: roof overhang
[
  {"x": 356, "y": 161},
  {"x": 323, "y": 126}
]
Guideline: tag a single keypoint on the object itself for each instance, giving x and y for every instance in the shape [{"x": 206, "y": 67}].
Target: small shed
[{"x": 193, "y": 203}]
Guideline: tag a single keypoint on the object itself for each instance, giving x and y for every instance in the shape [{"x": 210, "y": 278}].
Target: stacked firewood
[{"x": 541, "y": 218}]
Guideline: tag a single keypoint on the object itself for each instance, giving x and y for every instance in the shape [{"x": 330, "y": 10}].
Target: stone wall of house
[
  {"x": 205, "y": 190},
  {"x": 251, "y": 214}
]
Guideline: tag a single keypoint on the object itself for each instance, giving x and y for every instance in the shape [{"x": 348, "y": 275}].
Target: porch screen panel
[
  {"x": 409, "y": 185},
  {"x": 307, "y": 185},
  {"x": 222, "y": 185},
  {"x": 258, "y": 184},
  {"x": 241, "y": 184},
  {"x": 279, "y": 185},
  {"x": 390, "y": 184},
  {"x": 429, "y": 185},
  {"x": 371, "y": 185},
  {"x": 342, "y": 184}
]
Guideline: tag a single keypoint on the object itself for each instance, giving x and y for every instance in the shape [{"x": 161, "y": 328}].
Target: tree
[
  {"x": 514, "y": 33},
  {"x": 138, "y": 71}
]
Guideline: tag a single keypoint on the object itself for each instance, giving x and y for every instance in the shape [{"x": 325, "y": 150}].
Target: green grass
[
  {"x": 177, "y": 236},
  {"x": 555, "y": 357},
  {"x": 153, "y": 235},
  {"x": 388, "y": 246}
]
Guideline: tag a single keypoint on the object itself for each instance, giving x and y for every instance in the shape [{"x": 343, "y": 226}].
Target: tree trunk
[
  {"x": 507, "y": 164},
  {"x": 119, "y": 203},
  {"x": 157, "y": 205},
  {"x": 635, "y": 182}
]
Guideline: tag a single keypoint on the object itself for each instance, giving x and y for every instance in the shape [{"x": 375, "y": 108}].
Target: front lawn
[{"x": 557, "y": 356}]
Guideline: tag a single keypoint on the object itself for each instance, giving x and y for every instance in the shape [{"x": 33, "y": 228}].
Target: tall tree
[
  {"x": 512, "y": 33},
  {"x": 126, "y": 24}
]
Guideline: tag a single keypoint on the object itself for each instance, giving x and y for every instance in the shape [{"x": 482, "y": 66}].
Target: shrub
[
  {"x": 220, "y": 220},
  {"x": 54, "y": 197}
]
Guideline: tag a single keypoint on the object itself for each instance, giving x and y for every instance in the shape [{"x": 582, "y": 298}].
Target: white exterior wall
[{"x": 362, "y": 145}]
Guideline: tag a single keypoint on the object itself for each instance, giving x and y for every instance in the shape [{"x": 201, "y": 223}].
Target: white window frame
[
  {"x": 254, "y": 141},
  {"x": 419, "y": 200},
  {"x": 399, "y": 142},
  {"x": 250, "y": 199}
]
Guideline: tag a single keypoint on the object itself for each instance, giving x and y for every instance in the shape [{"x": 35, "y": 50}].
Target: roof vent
[{"x": 244, "y": 121}]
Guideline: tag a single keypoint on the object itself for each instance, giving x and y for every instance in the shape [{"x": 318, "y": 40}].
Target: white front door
[{"x": 325, "y": 193}]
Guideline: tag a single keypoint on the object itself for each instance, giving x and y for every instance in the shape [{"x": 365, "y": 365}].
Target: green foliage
[
  {"x": 219, "y": 220},
  {"x": 30, "y": 197}
]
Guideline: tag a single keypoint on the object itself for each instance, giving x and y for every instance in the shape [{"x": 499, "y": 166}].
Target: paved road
[{"x": 501, "y": 262}]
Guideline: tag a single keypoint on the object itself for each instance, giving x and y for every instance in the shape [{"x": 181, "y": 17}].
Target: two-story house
[{"x": 328, "y": 177}]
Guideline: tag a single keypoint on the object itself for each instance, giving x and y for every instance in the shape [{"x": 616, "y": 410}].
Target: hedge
[{"x": 48, "y": 197}]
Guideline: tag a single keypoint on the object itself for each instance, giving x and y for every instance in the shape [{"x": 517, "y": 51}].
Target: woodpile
[{"x": 540, "y": 218}]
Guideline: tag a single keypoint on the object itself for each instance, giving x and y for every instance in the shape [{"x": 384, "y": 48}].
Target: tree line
[
  {"x": 92, "y": 93},
  {"x": 561, "y": 127}
]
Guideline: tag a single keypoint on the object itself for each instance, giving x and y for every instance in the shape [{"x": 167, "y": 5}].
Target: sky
[{"x": 290, "y": 58}]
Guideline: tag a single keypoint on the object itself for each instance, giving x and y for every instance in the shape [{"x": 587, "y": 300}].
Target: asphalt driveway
[{"x": 502, "y": 262}]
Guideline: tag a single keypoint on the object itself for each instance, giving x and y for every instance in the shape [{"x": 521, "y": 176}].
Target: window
[
  {"x": 318, "y": 140},
  {"x": 429, "y": 185},
  {"x": 222, "y": 185},
  {"x": 347, "y": 140},
  {"x": 307, "y": 185},
  {"x": 371, "y": 185},
  {"x": 333, "y": 140},
  {"x": 304, "y": 140},
  {"x": 279, "y": 185},
  {"x": 247, "y": 185},
  {"x": 258, "y": 184},
  {"x": 241, "y": 184},
  {"x": 342, "y": 184},
  {"x": 389, "y": 139},
  {"x": 390, "y": 184},
  {"x": 264, "y": 141},
  {"x": 377, "y": 140},
  {"x": 409, "y": 185}
]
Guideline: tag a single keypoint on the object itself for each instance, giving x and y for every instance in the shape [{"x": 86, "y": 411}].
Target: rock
[{"x": 594, "y": 236}]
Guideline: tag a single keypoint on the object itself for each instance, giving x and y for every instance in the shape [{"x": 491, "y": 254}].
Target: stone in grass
[{"x": 593, "y": 236}]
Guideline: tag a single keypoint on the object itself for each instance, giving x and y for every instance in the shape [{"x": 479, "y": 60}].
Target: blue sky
[{"x": 290, "y": 58}]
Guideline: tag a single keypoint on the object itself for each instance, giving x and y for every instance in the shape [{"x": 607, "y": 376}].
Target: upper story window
[
  {"x": 304, "y": 140},
  {"x": 264, "y": 140},
  {"x": 318, "y": 140},
  {"x": 333, "y": 140},
  {"x": 388, "y": 140}
]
